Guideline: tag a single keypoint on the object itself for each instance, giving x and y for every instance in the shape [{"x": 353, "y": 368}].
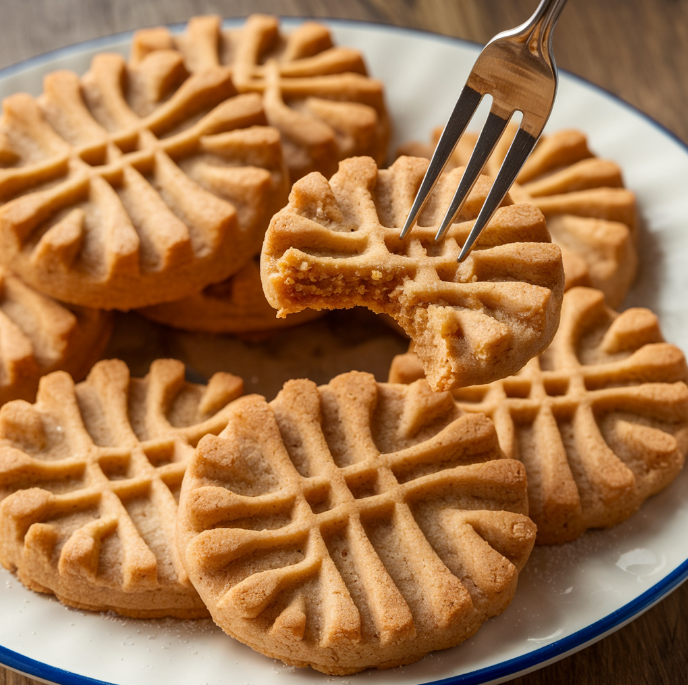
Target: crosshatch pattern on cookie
[
  {"x": 317, "y": 94},
  {"x": 89, "y": 481},
  {"x": 590, "y": 215},
  {"x": 336, "y": 245},
  {"x": 600, "y": 420},
  {"x": 135, "y": 184},
  {"x": 40, "y": 335},
  {"x": 237, "y": 306},
  {"x": 353, "y": 525}
]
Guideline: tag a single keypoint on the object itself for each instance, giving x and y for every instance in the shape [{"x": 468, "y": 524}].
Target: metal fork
[{"x": 517, "y": 68}]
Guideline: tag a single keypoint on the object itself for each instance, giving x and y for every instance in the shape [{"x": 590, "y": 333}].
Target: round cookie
[
  {"x": 600, "y": 420},
  {"x": 316, "y": 94},
  {"x": 353, "y": 525},
  {"x": 89, "y": 480},
  {"x": 40, "y": 335},
  {"x": 135, "y": 184}
]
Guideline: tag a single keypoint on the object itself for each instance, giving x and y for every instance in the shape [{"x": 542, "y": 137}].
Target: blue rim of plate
[{"x": 512, "y": 667}]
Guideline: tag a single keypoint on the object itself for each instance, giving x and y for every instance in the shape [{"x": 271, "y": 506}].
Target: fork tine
[
  {"x": 489, "y": 137},
  {"x": 521, "y": 147},
  {"x": 463, "y": 112}
]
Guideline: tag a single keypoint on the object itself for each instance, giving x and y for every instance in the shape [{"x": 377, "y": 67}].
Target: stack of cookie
[
  {"x": 149, "y": 183},
  {"x": 344, "y": 526}
]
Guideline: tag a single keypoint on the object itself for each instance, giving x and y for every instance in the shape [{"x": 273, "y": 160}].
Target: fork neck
[{"x": 538, "y": 30}]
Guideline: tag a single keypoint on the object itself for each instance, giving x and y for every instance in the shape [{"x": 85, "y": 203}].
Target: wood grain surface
[{"x": 637, "y": 49}]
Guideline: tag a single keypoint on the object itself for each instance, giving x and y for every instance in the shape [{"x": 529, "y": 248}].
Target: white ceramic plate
[{"x": 568, "y": 596}]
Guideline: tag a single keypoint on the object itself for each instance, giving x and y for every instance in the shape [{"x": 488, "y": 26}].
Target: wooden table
[{"x": 637, "y": 49}]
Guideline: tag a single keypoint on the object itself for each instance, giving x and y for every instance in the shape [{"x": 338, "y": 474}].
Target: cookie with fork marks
[
  {"x": 317, "y": 94},
  {"x": 336, "y": 245},
  {"x": 40, "y": 335},
  {"x": 135, "y": 184},
  {"x": 353, "y": 525},
  {"x": 89, "y": 480},
  {"x": 600, "y": 420}
]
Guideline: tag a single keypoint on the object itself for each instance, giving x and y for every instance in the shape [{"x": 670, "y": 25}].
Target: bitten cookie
[{"x": 336, "y": 245}]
